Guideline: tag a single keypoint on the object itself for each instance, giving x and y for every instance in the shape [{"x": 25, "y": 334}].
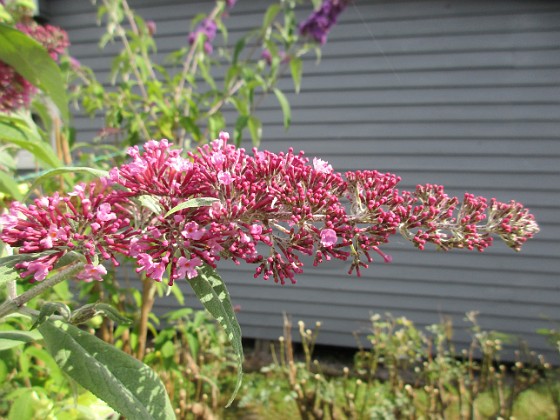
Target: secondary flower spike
[{"x": 174, "y": 213}]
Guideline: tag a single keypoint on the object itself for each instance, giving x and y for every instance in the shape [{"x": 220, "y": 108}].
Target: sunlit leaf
[
  {"x": 193, "y": 202},
  {"x": 30, "y": 59},
  {"x": 68, "y": 170},
  {"x": 124, "y": 383},
  {"x": 9, "y": 339},
  {"x": 212, "y": 293},
  {"x": 296, "y": 68},
  {"x": 9, "y": 186},
  {"x": 255, "y": 128},
  {"x": 285, "y": 105},
  {"x": 18, "y": 131}
]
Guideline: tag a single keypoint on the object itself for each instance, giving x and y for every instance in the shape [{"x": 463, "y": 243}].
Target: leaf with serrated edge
[
  {"x": 212, "y": 293},
  {"x": 124, "y": 383},
  {"x": 193, "y": 202}
]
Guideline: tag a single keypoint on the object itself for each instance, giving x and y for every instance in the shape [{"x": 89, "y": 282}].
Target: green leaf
[
  {"x": 33, "y": 62},
  {"x": 212, "y": 293},
  {"x": 86, "y": 312},
  {"x": 151, "y": 203},
  {"x": 270, "y": 15},
  {"x": 240, "y": 124},
  {"x": 286, "y": 111},
  {"x": 49, "y": 309},
  {"x": 239, "y": 45},
  {"x": 9, "y": 186},
  {"x": 68, "y": 170},
  {"x": 190, "y": 203},
  {"x": 190, "y": 126},
  {"x": 255, "y": 128},
  {"x": 9, "y": 339},
  {"x": 19, "y": 132},
  {"x": 296, "y": 68},
  {"x": 124, "y": 383}
]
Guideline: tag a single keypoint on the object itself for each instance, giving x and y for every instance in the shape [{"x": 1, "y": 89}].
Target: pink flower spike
[
  {"x": 187, "y": 268},
  {"x": 322, "y": 166},
  {"x": 92, "y": 272},
  {"x": 225, "y": 178},
  {"x": 328, "y": 238},
  {"x": 104, "y": 213}
]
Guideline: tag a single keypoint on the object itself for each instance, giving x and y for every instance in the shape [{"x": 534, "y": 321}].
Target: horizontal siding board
[
  {"x": 337, "y": 48},
  {"x": 464, "y": 94}
]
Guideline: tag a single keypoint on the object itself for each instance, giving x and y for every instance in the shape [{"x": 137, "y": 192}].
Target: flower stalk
[{"x": 15, "y": 303}]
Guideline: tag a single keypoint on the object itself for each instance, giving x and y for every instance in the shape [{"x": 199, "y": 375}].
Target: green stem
[{"x": 14, "y": 304}]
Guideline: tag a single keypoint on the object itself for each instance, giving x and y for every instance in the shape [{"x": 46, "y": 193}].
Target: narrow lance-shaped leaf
[
  {"x": 68, "y": 170},
  {"x": 255, "y": 128},
  {"x": 296, "y": 68},
  {"x": 286, "y": 111},
  {"x": 193, "y": 202},
  {"x": 270, "y": 15},
  {"x": 9, "y": 186},
  {"x": 17, "y": 131},
  {"x": 124, "y": 383},
  {"x": 240, "y": 124},
  {"x": 9, "y": 339},
  {"x": 33, "y": 62},
  {"x": 212, "y": 293}
]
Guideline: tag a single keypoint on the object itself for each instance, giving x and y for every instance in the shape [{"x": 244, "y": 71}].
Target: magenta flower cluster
[
  {"x": 262, "y": 208},
  {"x": 15, "y": 91},
  {"x": 320, "y": 22}
]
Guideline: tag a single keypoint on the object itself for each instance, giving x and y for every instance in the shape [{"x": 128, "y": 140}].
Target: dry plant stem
[
  {"x": 11, "y": 289},
  {"x": 13, "y": 305},
  {"x": 148, "y": 298}
]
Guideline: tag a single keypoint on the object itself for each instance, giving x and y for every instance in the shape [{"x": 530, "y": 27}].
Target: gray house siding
[{"x": 460, "y": 93}]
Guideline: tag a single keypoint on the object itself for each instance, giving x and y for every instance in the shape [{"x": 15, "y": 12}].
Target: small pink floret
[
  {"x": 92, "y": 272},
  {"x": 38, "y": 269},
  {"x": 225, "y": 178},
  {"x": 192, "y": 231},
  {"x": 328, "y": 237},
  {"x": 104, "y": 213},
  {"x": 322, "y": 166},
  {"x": 187, "y": 268}
]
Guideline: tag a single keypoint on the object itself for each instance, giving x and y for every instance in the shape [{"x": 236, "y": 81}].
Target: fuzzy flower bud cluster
[{"x": 173, "y": 213}]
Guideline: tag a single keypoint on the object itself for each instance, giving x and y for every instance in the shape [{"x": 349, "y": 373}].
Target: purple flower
[
  {"x": 208, "y": 29},
  {"x": 319, "y": 23}
]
